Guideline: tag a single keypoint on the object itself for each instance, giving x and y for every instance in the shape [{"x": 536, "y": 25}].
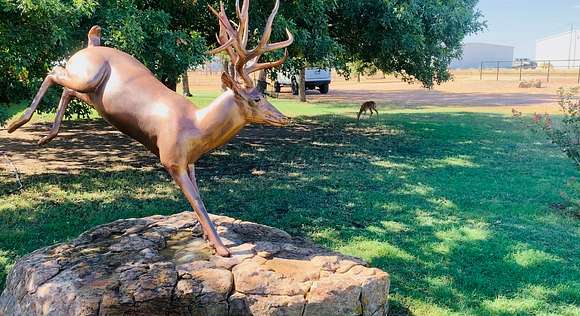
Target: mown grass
[{"x": 457, "y": 207}]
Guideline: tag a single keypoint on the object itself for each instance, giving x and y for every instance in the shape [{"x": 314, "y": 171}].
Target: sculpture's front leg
[{"x": 186, "y": 181}]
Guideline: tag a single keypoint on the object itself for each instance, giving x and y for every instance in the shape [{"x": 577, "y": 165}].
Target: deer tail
[{"x": 94, "y": 36}]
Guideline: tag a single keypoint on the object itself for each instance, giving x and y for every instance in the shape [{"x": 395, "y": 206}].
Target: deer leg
[
  {"x": 60, "y": 76},
  {"x": 359, "y": 114},
  {"x": 64, "y": 101},
  {"x": 189, "y": 188},
  {"x": 25, "y": 118},
  {"x": 191, "y": 173}
]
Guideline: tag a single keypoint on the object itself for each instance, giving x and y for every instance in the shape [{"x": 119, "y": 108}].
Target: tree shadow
[{"x": 449, "y": 204}]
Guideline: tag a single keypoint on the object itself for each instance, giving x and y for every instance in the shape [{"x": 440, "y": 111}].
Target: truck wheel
[
  {"x": 294, "y": 86},
  {"x": 277, "y": 87},
  {"x": 324, "y": 88}
]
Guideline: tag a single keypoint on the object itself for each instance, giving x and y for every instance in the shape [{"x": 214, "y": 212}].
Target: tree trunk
[
  {"x": 226, "y": 65},
  {"x": 262, "y": 82},
  {"x": 233, "y": 70},
  {"x": 358, "y": 77},
  {"x": 185, "y": 82},
  {"x": 302, "y": 85},
  {"x": 170, "y": 83}
]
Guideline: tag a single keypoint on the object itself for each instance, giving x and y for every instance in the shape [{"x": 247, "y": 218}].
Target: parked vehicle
[
  {"x": 313, "y": 77},
  {"x": 525, "y": 63}
]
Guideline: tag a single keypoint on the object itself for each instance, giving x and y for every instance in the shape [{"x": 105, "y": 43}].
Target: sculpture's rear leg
[
  {"x": 48, "y": 81},
  {"x": 65, "y": 99},
  {"x": 61, "y": 76},
  {"x": 187, "y": 184}
]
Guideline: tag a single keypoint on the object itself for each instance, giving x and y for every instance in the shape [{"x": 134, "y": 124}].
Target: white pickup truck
[{"x": 314, "y": 78}]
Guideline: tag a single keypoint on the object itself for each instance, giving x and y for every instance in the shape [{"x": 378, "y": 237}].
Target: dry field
[{"x": 466, "y": 93}]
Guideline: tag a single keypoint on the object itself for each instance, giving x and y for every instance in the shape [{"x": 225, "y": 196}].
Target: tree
[
  {"x": 147, "y": 33},
  {"x": 308, "y": 21},
  {"x": 34, "y": 36},
  {"x": 37, "y": 35},
  {"x": 413, "y": 39}
]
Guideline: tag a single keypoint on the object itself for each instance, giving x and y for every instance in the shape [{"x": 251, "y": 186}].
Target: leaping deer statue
[{"x": 129, "y": 97}]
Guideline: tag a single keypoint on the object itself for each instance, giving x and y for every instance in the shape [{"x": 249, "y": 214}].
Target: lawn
[{"x": 460, "y": 208}]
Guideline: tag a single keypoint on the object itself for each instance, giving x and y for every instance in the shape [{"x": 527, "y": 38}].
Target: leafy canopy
[{"x": 415, "y": 39}]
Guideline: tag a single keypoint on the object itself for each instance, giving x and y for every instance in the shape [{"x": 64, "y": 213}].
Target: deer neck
[{"x": 221, "y": 120}]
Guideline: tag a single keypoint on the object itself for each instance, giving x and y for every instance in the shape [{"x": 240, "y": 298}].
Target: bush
[{"x": 566, "y": 134}]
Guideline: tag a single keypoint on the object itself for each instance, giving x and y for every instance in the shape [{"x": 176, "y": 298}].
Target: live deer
[
  {"x": 367, "y": 106},
  {"x": 129, "y": 97}
]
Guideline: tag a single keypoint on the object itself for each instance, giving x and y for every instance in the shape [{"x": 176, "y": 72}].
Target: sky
[{"x": 520, "y": 23}]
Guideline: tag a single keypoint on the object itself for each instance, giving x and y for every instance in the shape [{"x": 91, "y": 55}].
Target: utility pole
[
  {"x": 574, "y": 55},
  {"x": 570, "y": 48}
]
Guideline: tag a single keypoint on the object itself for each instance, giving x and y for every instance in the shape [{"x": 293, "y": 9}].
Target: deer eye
[{"x": 257, "y": 100}]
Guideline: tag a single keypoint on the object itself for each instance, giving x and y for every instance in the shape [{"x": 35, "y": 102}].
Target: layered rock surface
[{"x": 161, "y": 265}]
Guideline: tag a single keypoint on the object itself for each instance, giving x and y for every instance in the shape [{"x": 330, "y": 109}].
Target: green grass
[{"x": 457, "y": 207}]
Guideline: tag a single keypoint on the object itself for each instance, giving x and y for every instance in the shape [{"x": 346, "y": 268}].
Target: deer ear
[{"x": 230, "y": 83}]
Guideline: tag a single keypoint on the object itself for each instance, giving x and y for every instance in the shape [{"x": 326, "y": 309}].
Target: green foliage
[
  {"x": 147, "y": 34},
  {"x": 565, "y": 132},
  {"x": 36, "y": 36},
  {"x": 414, "y": 39}
]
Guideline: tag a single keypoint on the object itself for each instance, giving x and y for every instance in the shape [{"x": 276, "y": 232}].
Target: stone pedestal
[{"x": 161, "y": 265}]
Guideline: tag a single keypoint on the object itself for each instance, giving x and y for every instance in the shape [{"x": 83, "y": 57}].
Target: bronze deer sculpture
[{"x": 129, "y": 97}]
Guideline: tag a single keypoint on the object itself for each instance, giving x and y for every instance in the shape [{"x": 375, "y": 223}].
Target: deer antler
[{"x": 234, "y": 42}]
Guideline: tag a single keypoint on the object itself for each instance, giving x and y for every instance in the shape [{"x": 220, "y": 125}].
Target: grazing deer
[
  {"x": 370, "y": 106},
  {"x": 129, "y": 97}
]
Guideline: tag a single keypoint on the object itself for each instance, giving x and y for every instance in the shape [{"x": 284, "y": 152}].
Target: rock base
[{"x": 161, "y": 265}]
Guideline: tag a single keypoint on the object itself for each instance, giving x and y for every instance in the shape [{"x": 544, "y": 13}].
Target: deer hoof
[
  {"x": 15, "y": 125},
  {"x": 222, "y": 251},
  {"x": 45, "y": 140}
]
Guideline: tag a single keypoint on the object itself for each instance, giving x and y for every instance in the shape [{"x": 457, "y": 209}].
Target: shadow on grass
[{"x": 454, "y": 206}]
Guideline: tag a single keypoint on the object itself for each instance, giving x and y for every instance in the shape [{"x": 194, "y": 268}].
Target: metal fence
[{"x": 561, "y": 70}]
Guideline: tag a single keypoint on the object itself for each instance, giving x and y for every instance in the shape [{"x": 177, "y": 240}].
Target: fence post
[
  {"x": 521, "y": 66},
  {"x": 549, "y": 66},
  {"x": 497, "y": 74},
  {"x": 579, "y": 74},
  {"x": 481, "y": 71}
]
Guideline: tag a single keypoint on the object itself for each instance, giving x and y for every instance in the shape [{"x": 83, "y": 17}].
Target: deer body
[
  {"x": 367, "y": 106},
  {"x": 129, "y": 97}
]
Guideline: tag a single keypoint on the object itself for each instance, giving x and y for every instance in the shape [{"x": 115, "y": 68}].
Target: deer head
[{"x": 233, "y": 41}]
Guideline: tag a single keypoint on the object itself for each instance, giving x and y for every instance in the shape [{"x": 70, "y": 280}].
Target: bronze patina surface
[{"x": 129, "y": 97}]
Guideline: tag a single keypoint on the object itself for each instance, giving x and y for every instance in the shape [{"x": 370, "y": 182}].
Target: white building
[
  {"x": 476, "y": 53},
  {"x": 560, "y": 48}
]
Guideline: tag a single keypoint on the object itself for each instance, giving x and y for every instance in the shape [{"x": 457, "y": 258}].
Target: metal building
[
  {"x": 476, "y": 53},
  {"x": 560, "y": 48}
]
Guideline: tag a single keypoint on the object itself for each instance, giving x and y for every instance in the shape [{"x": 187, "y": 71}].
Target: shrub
[{"x": 567, "y": 133}]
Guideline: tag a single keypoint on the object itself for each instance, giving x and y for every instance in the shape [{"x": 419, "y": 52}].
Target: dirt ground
[{"x": 466, "y": 92}]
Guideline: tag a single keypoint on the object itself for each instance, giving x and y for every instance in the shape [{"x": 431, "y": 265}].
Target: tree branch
[{"x": 14, "y": 171}]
